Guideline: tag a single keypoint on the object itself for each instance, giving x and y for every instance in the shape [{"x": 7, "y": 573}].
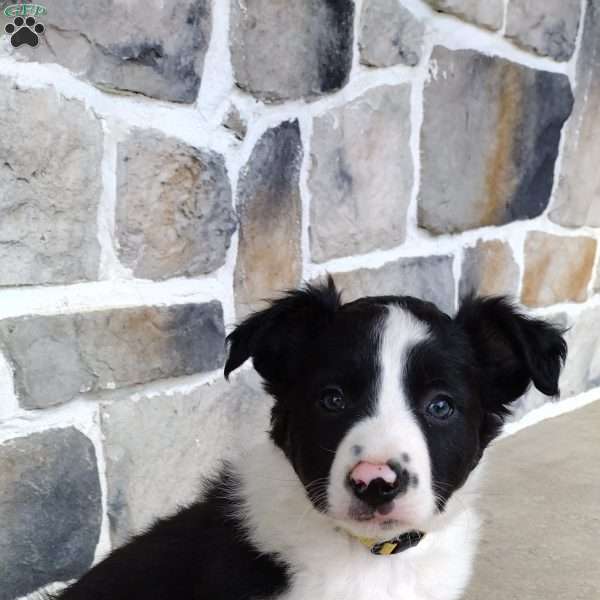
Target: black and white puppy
[{"x": 383, "y": 408}]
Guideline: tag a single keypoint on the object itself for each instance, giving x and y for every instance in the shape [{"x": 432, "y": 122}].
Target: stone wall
[{"x": 164, "y": 166}]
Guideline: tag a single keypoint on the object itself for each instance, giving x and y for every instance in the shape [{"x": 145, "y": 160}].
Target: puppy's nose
[{"x": 378, "y": 483}]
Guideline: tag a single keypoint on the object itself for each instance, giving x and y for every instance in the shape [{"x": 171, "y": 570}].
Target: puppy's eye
[
  {"x": 332, "y": 399},
  {"x": 440, "y": 407}
]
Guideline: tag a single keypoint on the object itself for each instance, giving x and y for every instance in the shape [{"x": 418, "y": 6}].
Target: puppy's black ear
[
  {"x": 276, "y": 337},
  {"x": 512, "y": 350}
]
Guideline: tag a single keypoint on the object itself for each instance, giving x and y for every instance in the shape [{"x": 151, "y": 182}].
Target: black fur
[
  {"x": 274, "y": 336},
  {"x": 485, "y": 358},
  {"x": 302, "y": 344},
  {"x": 511, "y": 351},
  {"x": 201, "y": 553}
]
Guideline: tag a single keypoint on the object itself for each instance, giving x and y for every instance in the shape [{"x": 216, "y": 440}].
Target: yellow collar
[{"x": 394, "y": 546}]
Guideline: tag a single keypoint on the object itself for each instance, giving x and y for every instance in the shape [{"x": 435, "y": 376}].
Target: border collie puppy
[{"x": 383, "y": 408}]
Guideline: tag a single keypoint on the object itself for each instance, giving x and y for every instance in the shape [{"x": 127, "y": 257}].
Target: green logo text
[{"x": 24, "y": 10}]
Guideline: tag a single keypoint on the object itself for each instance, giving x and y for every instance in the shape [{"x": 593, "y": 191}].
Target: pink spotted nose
[
  {"x": 365, "y": 472},
  {"x": 377, "y": 484}
]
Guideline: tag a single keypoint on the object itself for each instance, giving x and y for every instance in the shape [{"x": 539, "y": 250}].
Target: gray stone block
[
  {"x": 389, "y": 34},
  {"x": 157, "y": 49},
  {"x": 174, "y": 215},
  {"x": 548, "y": 27},
  {"x": 158, "y": 449},
  {"x": 50, "y": 185},
  {"x": 55, "y": 358},
  {"x": 50, "y": 510},
  {"x": 487, "y": 13},
  {"x": 578, "y": 191},
  {"x": 288, "y": 50},
  {"x": 582, "y": 370},
  {"x": 361, "y": 174},
  {"x": 429, "y": 278},
  {"x": 234, "y": 121},
  {"x": 270, "y": 211},
  {"x": 500, "y": 123}
]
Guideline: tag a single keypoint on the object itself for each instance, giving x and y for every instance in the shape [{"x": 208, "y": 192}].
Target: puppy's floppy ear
[
  {"x": 275, "y": 337},
  {"x": 512, "y": 350}
]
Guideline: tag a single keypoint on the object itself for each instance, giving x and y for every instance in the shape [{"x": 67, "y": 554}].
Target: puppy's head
[{"x": 384, "y": 405}]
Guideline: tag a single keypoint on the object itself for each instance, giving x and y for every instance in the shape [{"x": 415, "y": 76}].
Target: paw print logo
[{"x": 24, "y": 31}]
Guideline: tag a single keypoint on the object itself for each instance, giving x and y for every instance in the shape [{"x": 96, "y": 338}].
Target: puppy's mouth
[
  {"x": 381, "y": 522},
  {"x": 359, "y": 511},
  {"x": 380, "y": 517}
]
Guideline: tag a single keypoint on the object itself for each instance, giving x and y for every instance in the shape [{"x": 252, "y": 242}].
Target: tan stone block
[
  {"x": 174, "y": 216},
  {"x": 489, "y": 268},
  {"x": 557, "y": 268},
  {"x": 269, "y": 207}
]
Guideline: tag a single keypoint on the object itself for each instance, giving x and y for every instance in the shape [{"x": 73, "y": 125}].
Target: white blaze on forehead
[
  {"x": 401, "y": 332},
  {"x": 390, "y": 432}
]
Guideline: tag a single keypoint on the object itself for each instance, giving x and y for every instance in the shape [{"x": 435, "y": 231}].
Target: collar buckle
[{"x": 407, "y": 540}]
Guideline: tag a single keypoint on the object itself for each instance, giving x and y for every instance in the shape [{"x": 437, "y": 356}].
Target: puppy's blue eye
[
  {"x": 440, "y": 407},
  {"x": 332, "y": 399}
]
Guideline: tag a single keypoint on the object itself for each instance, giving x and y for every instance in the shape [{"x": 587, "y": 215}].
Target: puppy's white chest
[
  {"x": 345, "y": 590},
  {"x": 349, "y": 592},
  {"x": 438, "y": 569},
  {"x": 387, "y": 581}
]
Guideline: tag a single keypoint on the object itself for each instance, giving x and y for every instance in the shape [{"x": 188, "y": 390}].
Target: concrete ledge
[{"x": 541, "y": 508}]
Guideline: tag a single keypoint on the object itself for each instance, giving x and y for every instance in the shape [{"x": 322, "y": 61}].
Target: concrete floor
[{"x": 541, "y": 508}]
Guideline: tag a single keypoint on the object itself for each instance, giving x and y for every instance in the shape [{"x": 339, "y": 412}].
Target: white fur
[{"x": 327, "y": 563}]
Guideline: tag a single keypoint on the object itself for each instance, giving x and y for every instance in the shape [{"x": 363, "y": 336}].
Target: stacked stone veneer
[{"x": 165, "y": 166}]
